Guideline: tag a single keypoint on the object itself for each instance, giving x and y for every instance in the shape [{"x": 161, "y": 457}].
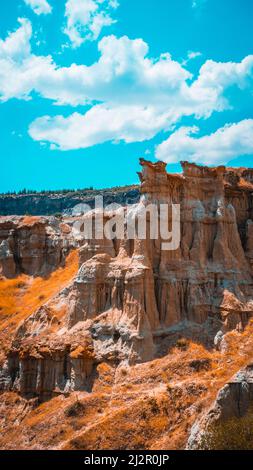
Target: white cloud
[
  {"x": 193, "y": 54},
  {"x": 227, "y": 143},
  {"x": 20, "y": 70},
  {"x": 98, "y": 125},
  {"x": 215, "y": 77},
  {"x": 124, "y": 74},
  {"x": 87, "y": 18},
  {"x": 40, "y": 7},
  {"x": 147, "y": 95},
  {"x": 17, "y": 47}
]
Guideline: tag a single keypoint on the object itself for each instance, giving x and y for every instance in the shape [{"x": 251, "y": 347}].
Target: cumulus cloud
[
  {"x": 20, "y": 70},
  {"x": 40, "y": 7},
  {"x": 17, "y": 47},
  {"x": 87, "y": 18},
  {"x": 98, "y": 125},
  {"x": 227, "y": 143},
  {"x": 147, "y": 95}
]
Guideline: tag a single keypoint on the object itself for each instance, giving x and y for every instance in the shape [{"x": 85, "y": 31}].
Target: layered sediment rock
[
  {"x": 32, "y": 245},
  {"x": 129, "y": 293},
  {"x": 47, "y": 370}
]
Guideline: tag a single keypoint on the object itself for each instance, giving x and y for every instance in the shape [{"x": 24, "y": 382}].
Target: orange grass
[
  {"x": 30, "y": 220},
  {"x": 150, "y": 405},
  {"x": 20, "y": 297},
  {"x": 153, "y": 406}
]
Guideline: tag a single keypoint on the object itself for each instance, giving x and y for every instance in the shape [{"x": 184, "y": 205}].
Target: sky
[{"x": 87, "y": 87}]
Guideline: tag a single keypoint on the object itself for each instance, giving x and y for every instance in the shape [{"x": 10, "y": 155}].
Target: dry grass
[
  {"x": 22, "y": 296},
  {"x": 30, "y": 220},
  {"x": 245, "y": 184},
  {"x": 148, "y": 406},
  {"x": 152, "y": 407}
]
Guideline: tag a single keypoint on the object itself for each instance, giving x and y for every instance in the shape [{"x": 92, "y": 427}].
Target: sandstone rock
[
  {"x": 129, "y": 293},
  {"x": 32, "y": 245},
  {"x": 45, "y": 367},
  {"x": 7, "y": 263}
]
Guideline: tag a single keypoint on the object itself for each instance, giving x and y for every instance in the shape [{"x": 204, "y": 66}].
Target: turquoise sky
[{"x": 192, "y": 32}]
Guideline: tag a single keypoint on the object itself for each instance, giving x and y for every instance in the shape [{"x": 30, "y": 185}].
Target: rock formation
[
  {"x": 130, "y": 294},
  {"x": 32, "y": 245}
]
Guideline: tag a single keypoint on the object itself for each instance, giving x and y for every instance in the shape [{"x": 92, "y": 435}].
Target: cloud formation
[
  {"x": 224, "y": 145},
  {"x": 20, "y": 70},
  {"x": 87, "y": 18},
  {"x": 98, "y": 125},
  {"x": 146, "y": 95},
  {"x": 40, "y": 7},
  {"x": 193, "y": 55}
]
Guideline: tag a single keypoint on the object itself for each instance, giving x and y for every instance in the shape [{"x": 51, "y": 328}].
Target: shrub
[
  {"x": 75, "y": 409},
  {"x": 154, "y": 407},
  {"x": 169, "y": 388},
  {"x": 233, "y": 434},
  {"x": 200, "y": 364},
  {"x": 41, "y": 297},
  {"x": 123, "y": 371},
  {"x": 182, "y": 343}
]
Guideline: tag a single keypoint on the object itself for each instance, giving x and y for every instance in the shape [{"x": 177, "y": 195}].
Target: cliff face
[
  {"x": 131, "y": 301},
  {"x": 55, "y": 203},
  {"x": 32, "y": 245},
  {"x": 208, "y": 279}
]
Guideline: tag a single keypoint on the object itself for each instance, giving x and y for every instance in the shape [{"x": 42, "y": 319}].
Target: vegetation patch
[
  {"x": 75, "y": 409},
  {"x": 233, "y": 434}
]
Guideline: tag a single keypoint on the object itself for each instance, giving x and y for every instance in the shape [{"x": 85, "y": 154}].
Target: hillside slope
[{"x": 118, "y": 343}]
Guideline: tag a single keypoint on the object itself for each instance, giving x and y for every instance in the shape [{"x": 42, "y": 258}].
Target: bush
[
  {"x": 123, "y": 371},
  {"x": 233, "y": 434},
  {"x": 75, "y": 409},
  {"x": 182, "y": 344},
  {"x": 154, "y": 407},
  {"x": 200, "y": 364}
]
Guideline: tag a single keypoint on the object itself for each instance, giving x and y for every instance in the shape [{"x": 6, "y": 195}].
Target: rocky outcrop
[
  {"x": 130, "y": 293},
  {"x": 234, "y": 400},
  {"x": 191, "y": 283},
  {"x": 32, "y": 245},
  {"x": 46, "y": 370}
]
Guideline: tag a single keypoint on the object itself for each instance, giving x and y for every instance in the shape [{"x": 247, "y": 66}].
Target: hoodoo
[
  {"x": 129, "y": 301},
  {"x": 128, "y": 294}
]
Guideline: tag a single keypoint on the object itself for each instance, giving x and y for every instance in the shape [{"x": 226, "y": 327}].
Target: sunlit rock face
[
  {"x": 128, "y": 294},
  {"x": 34, "y": 246}
]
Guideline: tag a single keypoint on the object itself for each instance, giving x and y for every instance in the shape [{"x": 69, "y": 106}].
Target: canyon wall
[
  {"x": 129, "y": 295},
  {"x": 34, "y": 246}
]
